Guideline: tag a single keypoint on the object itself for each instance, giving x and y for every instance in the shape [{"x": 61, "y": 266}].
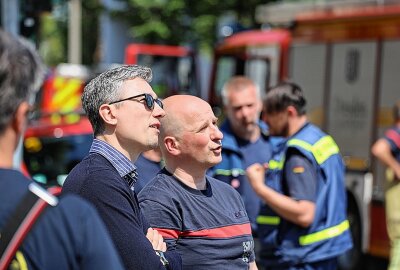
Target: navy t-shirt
[
  {"x": 146, "y": 170},
  {"x": 300, "y": 177},
  {"x": 67, "y": 236},
  {"x": 209, "y": 228}
]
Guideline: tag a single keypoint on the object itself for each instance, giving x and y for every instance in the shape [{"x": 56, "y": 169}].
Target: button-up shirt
[{"x": 121, "y": 163}]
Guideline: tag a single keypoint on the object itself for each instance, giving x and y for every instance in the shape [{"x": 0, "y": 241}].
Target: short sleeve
[
  {"x": 300, "y": 177},
  {"x": 393, "y": 138},
  {"x": 163, "y": 219}
]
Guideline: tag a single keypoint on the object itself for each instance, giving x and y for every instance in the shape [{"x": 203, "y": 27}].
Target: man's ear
[
  {"x": 292, "y": 111},
  {"x": 20, "y": 120},
  {"x": 172, "y": 145},
  {"x": 107, "y": 113}
]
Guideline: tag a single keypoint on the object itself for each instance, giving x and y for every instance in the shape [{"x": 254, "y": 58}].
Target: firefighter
[
  {"x": 245, "y": 141},
  {"x": 387, "y": 150},
  {"x": 308, "y": 200}
]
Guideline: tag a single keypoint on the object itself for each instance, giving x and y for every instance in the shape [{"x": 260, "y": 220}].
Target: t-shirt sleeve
[
  {"x": 393, "y": 138},
  {"x": 166, "y": 222},
  {"x": 163, "y": 219},
  {"x": 300, "y": 177}
]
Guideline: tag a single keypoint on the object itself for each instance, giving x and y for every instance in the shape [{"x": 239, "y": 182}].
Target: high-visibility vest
[
  {"x": 267, "y": 220},
  {"x": 329, "y": 235}
]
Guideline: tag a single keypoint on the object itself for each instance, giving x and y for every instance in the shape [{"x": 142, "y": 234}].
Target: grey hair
[
  {"x": 21, "y": 75},
  {"x": 105, "y": 89},
  {"x": 237, "y": 83}
]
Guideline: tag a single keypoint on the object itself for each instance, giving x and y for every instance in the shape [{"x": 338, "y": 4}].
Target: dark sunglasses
[{"x": 149, "y": 101}]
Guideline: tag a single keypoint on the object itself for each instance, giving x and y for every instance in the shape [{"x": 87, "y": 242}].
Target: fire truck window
[
  {"x": 49, "y": 160},
  {"x": 187, "y": 76},
  {"x": 258, "y": 71},
  {"x": 171, "y": 75},
  {"x": 226, "y": 68}
]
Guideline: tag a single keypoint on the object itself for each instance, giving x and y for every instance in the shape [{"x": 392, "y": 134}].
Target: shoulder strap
[{"x": 22, "y": 220}]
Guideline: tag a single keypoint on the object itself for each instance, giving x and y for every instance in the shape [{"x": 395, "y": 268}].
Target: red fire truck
[
  {"x": 346, "y": 59},
  {"x": 60, "y": 135},
  {"x": 175, "y": 68}
]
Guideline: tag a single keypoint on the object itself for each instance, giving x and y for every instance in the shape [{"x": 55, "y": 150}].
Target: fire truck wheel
[{"x": 351, "y": 260}]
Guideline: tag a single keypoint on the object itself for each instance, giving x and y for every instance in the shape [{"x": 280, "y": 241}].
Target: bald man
[{"x": 197, "y": 215}]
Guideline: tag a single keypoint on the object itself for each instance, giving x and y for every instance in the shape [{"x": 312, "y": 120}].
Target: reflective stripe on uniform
[
  {"x": 233, "y": 172},
  {"x": 19, "y": 262},
  {"x": 324, "y": 234},
  {"x": 275, "y": 164},
  {"x": 268, "y": 220},
  {"x": 321, "y": 150}
]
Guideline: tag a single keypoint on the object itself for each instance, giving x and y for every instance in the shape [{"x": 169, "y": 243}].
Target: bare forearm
[
  {"x": 298, "y": 212},
  {"x": 253, "y": 266},
  {"x": 381, "y": 150}
]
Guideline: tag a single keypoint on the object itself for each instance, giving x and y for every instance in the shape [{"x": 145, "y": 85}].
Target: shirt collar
[{"x": 125, "y": 168}]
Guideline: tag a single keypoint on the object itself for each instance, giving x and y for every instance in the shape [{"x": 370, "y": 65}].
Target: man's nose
[{"x": 158, "y": 111}]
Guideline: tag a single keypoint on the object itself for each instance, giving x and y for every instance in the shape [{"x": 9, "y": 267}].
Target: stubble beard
[{"x": 152, "y": 143}]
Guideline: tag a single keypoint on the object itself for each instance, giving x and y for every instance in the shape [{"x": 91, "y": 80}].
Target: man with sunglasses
[{"x": 125, "y": 115}]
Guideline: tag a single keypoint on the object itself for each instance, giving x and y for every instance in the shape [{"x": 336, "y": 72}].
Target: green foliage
[
  {"x": 54, "y": 32},
  {"x": 52, "y": 46},
  {"x": 179, "y": 22},
  {"x": 91, "y": 10}
]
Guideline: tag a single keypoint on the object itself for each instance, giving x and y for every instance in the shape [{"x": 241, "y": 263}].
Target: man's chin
[
  {"x": 250, "y": 127},
  {"x": 151, "y": 145},
  {"x": 215, "y": 161}
]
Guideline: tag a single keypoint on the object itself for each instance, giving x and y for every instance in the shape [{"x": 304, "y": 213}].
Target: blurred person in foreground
[
  {"x": 125, "y": 115},
  {"x": 203, "y": 218},
  {"x": 308, "y": 201},
  {"x": 69, "y": 234},
  {"x": 387, "y": 150},
  {"x": 245, "y": 141}
]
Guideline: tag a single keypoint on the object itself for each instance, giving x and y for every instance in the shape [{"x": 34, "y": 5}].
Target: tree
[
  {"x": 179, "y": 22},
  {"x": 54, "y": 31}
]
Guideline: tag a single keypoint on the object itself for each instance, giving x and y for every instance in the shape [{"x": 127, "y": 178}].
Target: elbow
[
  {"x": 380, "y": 148},
  {"x": 307, "y": 215},
  {"x": 305, "y": 221},
  {"x": 375, "y": 150}
]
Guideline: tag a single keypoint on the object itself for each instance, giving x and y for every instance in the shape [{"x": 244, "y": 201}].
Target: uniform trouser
[{"x": 392, "y": 202}]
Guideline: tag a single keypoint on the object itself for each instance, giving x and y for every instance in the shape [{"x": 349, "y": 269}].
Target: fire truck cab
[{"x": 59, "y": 134}]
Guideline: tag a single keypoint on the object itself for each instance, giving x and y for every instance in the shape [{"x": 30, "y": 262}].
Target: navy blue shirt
[
  {"x": 300, "y": 177},
  {"x": 256, "y": 152},
  {"x": 146, "y": 170},
  {"x": 68, "y": 236},
  {"x": 106, "y": 178},
  {"x": 209, "y": 228}
]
